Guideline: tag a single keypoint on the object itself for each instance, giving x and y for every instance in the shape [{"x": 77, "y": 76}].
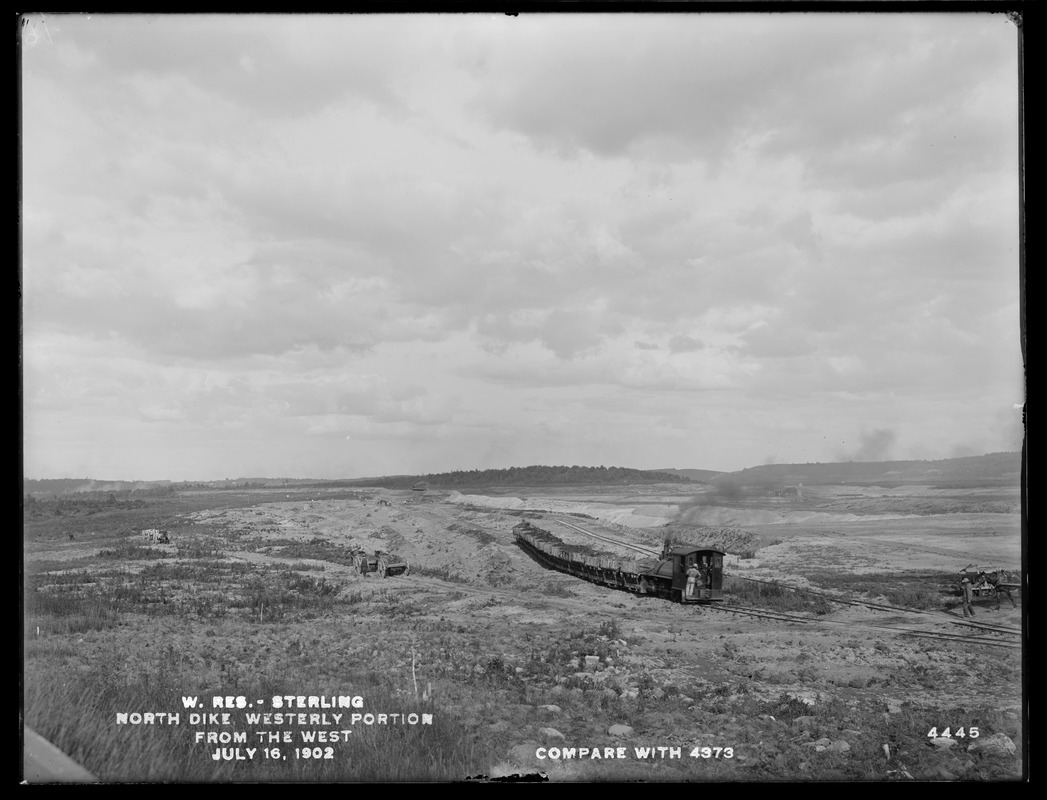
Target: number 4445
[{"x": 948, "y": 733}]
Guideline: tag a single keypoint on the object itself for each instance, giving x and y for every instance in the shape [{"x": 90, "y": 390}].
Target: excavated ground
[{"x": 525, "y": 659}]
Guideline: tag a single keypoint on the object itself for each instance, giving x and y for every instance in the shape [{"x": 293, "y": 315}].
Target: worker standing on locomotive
[
  {"x": 693, "y": 575},
  {"x": 967, "y": 593}
]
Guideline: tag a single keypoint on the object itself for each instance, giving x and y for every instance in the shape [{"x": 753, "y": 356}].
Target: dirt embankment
[
  {"x": 722, "y": 515},
  {"x": 730, "y": 540},
  {"x": 647, "y": 515}
]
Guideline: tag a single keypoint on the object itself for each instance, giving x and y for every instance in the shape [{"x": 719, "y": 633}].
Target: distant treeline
[
  {"x": 524, "y": 476},
  {"x": 989, "y": 468}
]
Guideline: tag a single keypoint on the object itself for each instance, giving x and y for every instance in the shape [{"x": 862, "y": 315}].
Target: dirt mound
[
  {"x": 394, "y": 540},
  {"x": 706, "y": 516},
  {"x": 645, "y": 516},
  {"x": 730, "y": 540},
  {"x": 483, "y": 501}
]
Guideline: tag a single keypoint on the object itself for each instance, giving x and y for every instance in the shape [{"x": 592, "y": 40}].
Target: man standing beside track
[{"x": 967, "y": 593}]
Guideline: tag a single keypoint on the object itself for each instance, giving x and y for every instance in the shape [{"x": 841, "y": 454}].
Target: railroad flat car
[{"x": 666, "y": 576}]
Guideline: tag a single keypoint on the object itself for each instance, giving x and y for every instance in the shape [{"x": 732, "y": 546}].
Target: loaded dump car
[
  {"x": 667, "y": 576},
  {"x": 385, "y": 564}
]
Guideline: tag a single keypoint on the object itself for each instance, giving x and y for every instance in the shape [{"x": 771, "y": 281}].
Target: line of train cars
[{"x": 664, "y": 577}]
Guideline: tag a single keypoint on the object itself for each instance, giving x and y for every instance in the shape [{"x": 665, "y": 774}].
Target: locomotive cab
[{"x": 708, "y": 584}]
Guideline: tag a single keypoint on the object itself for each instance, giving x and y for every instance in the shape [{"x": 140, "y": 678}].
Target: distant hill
[
  {"x": 524, "y": 476},
  {"x": 994, "y": 468},
  {"x": 700, "y": 475}
]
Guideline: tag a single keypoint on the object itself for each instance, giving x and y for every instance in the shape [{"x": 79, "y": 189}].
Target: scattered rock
[
  {"x": 623, "y": 731},
  {"x": 839, "y": 746},
  {"x": 998, "y": 744},
  {"x": 807, "y": 698},
  {"x": 550, "y": 733},
  {"x": 550, "y": 708},
  {"x": 819, "y": 745},
  {"x": 894, "y": 706},
  {"x": 942, "y": 743}
]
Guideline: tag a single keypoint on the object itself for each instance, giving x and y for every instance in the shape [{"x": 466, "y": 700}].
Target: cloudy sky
[{"x": 341, "y": 246}]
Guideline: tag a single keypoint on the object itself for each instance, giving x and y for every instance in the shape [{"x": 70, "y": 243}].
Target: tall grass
[
  {"x": 917, "y": 590},
  {"x": 132, "y": 552},
  {"x": 78, "y": 714},
  {"x": 777, "y": 598},
  {"x": 68, "y": 613}
]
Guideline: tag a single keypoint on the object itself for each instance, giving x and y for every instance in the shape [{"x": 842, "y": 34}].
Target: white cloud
[{"x": 464, "y": 229}]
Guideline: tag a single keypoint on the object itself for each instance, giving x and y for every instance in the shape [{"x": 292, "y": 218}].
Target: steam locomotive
[{"x": 666, "y": 576}]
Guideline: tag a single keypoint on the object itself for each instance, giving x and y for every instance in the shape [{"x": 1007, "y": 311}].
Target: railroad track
[
  {"x": 814, "y": 592},
  {"x": 646, "y": 617},
  {"x": 916, "y": 632},
  {"x": 831, "y": 597},
  {"x": 987, "y": 627},
  {"x": 760, "y": 613},
  {"x": 784, "y": 617},
  {"x": 647, "y": 551},
  {"x": 755, "y": 613},
  {"x": 955, "y": 637},
  {"x": 934, "y": 615}
]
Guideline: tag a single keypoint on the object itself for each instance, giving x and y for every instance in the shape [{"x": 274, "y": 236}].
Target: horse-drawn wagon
[{"x": 991, "y": 584}]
